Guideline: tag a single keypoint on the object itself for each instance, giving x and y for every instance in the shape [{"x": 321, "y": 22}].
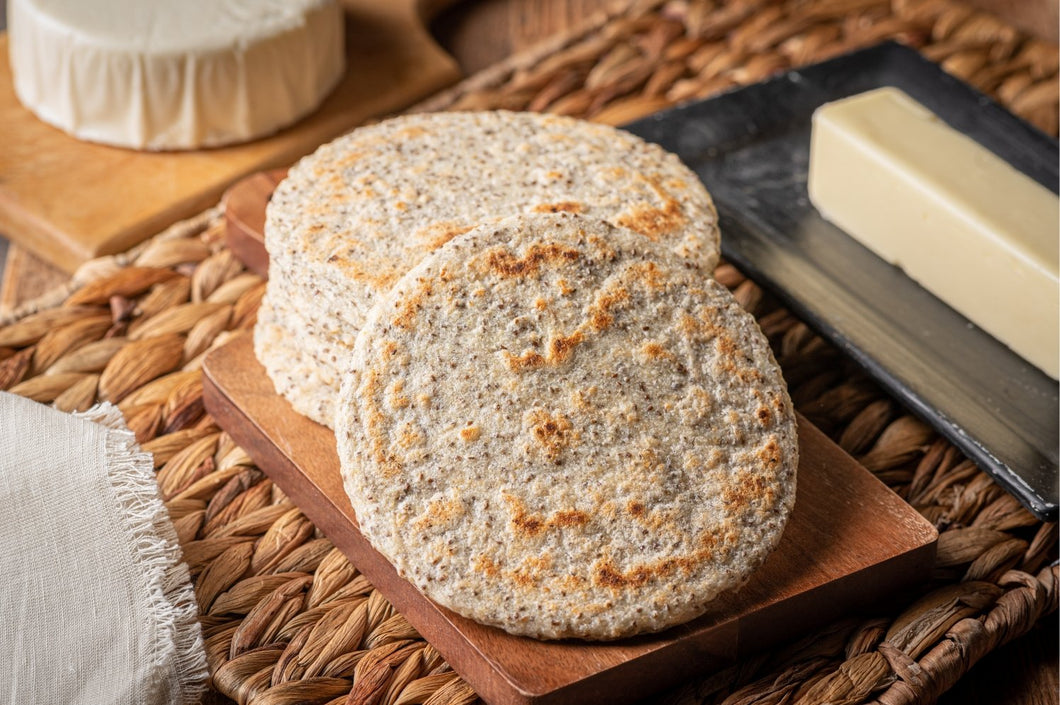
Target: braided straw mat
[{"x": 287, "y": 619}]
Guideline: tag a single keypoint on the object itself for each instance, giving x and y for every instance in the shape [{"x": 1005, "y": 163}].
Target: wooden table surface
[{"x": 481, "y": 32}]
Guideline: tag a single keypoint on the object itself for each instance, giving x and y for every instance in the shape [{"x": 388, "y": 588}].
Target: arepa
[
  {"x": 352, "y": 218},
  {"x": 557, "y": 427}
]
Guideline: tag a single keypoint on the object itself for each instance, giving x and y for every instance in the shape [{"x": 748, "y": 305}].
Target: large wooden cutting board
[
  {"x": 850, "y": 543},
  {"x": 69, "y": 200}
]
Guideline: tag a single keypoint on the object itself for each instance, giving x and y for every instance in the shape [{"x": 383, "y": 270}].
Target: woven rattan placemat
[{"x": 287, "y": 619}]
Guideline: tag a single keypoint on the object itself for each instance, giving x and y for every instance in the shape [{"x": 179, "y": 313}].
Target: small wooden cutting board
[
  {"x": 244, "y": 206},
  {"x": 850, "y": 543},
  {"x": 68, "y": 200}
]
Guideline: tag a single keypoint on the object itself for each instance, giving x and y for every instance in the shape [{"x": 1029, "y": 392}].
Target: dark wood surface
[
  {"x": 850, "y": 543},
  {"x": 1023, "y": 672}
]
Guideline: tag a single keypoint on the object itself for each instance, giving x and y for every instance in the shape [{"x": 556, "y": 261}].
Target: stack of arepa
[{"x": 549, "y": 417}]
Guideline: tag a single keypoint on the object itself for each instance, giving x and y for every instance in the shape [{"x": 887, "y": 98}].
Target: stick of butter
[{"x": 968, "y": 227}]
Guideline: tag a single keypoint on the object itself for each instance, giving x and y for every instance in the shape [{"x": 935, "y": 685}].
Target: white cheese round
[{"x": 165, "y": 74}]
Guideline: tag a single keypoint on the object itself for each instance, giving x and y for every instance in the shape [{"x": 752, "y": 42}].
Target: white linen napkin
[{"x": 96, "y": 605}]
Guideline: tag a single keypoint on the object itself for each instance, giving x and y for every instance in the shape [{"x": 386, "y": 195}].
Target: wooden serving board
[
  {"x": 68, "y": 200},
  {"x": 850, "y": 543},
  {"x": 244, "y": 205}
]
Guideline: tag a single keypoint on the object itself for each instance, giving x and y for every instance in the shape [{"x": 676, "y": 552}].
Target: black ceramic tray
[{"x": 751, "y": 149}]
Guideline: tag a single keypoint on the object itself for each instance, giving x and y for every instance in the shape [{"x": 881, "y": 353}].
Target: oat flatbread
[
  {"x": 556, "y": 427},
  {"x": 353, "y": 217},
  {"x": 305, "y": 376}
]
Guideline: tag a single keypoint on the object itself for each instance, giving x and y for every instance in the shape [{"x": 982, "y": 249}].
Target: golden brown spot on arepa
[
  {"x": 572, "y": 581},
  {"x": 608, "y": 300},
  {"x": 607, "y": 575},
  {"x": 554, "y": 433},
  {"x": 749, "y": 375},
  {"x": 528, "y": 524},
  {"x": 374, "y": 422},
  {"x": 561, "y": 347},
  {"x": 527, "y": 361},
  {"x": 380, "y": 279},
  {"x": 746, "y": 488},
  {"x": 688, "y": 325},
  {"x": 571, "y": 518},
  {"x": 440, "y": 513},
  {"x": 503, "y": 263},
  {"x": 653, "y": 350},
  {"x": 486, "y": 566},
  {"x": 530, "y": 572},
  {"x": 649, "y": 275},
  {"x": 438, "y": 234},
  {"x": 532, "y": 525},
  {"x": 561, "y": 207},
  {"x": 522, "y": 578},
  {"x": 652, "y": 222},
  {"x": 395, "y": 398},
  {"x": 769, "y": 453},
  {"x": 778, "y": 403},
  {"x": 408, "y": 306},
  {"x": 470, "y": 433},
  {"x": 725, "y": 348},
  {"x": 600, "y": 320},
  {"x": 607, "y": 510},
  {"x": 409, "y": 437},
  {"x": 522, "y": 521}
]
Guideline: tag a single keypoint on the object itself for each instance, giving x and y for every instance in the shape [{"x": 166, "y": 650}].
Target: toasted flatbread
[
  {"x": 352, "y": 218},
  {"x": 558, "y": 427}
]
